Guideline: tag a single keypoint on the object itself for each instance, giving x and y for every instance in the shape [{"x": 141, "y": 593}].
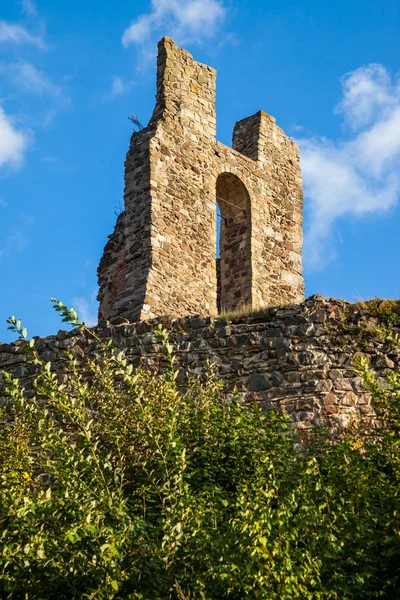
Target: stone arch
[{"x": 234, "y": 263}]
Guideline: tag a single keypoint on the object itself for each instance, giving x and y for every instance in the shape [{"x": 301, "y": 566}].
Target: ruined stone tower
[{"x": 161, "y": 258}]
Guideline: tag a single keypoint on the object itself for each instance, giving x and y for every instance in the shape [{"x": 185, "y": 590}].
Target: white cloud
[
  {"x": 139, "y": 30},
  {"x": 21, "y": 77},
  {"x": 87, "y": 308},
  {"x": 16, "y": 34},
  {"x": 359, "y": 175},
  {"x": 368, "y": 92},
  {"x": 29, "y": 8},
  {"x": 13, "y": 142},
  {"x": 189, "y": 21},
  {"x": 118, "y": 88},
  {"x": 27, "y": 78}
]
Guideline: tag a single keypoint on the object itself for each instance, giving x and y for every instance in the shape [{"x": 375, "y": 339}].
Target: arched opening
[{"x": 233, "y": 244}]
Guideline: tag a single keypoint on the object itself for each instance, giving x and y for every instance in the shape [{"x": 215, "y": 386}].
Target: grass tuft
[{"x": 244, "y": 311}]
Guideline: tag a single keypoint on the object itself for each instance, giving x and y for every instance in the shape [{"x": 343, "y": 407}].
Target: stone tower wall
[
  {"x": 185, "y": 91},
  {"x": 125, "y": 265},
  {"x": 164, "y": 245}
]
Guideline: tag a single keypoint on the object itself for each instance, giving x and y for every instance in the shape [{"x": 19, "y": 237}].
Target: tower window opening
[{"x": 233, "y": 244}]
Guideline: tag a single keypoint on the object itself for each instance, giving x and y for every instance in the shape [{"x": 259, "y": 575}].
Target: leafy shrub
[{"x": 117, "y": 484}]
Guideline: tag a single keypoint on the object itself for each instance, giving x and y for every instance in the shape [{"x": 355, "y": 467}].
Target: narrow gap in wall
[
  {"x": 218, "y": 254},
  {"x": 234, "y": 243}
]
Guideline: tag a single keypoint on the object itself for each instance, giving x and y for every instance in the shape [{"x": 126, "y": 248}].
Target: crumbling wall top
[{"x": 185, "y": 89}]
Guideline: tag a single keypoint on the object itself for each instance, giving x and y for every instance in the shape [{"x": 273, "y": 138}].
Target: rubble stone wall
[
  {"x": 292, "y": 358},
  {"x": 161, "y": 258}
]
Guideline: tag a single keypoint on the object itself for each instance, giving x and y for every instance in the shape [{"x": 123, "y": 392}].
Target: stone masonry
[
  {"x": 161, "y": 258},
  {"x": 160, "y": 265},
  {"x": 296, "y": 358}
]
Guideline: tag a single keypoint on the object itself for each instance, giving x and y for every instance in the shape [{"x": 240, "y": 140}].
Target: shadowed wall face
[
  {"x": 286, "y": 359},
  {"x": 161, "y": 258},
  {"x": 234, "y": 243}
]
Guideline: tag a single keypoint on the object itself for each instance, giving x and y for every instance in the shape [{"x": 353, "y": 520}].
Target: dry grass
[{"x": 243, "y": 312}]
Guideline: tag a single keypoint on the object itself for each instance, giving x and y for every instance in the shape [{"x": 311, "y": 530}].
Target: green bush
[{"x": 119, "y": 485}]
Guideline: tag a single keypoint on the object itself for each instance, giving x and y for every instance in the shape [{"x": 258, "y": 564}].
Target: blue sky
[{"x": 71, "y": 71}]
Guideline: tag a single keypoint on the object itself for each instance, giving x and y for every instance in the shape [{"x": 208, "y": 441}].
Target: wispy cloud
[
  {"x": 27, "y": 220},
  {"x": 27, "y": 78},
  {"x": 188, "y": 21},
  {"x": 358, "y": 175},
  {"x": 29, "y": 8},
  {"x": 15, "y": 242},
  {"x": 119, "y": 87},
  {"x": 48, "y": 160},
  {"x": 87, "y": 308},
  {"x": 17, "y": 34},
  {"x": 368, "y": 95},
  {"x": 20, "y": 76},
  {"x": 13, "y": 142}
]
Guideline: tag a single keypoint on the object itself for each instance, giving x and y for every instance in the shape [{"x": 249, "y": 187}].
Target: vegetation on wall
[
  {"x": 117, "y": 484},
  {"x": 369, "y": 320}
]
